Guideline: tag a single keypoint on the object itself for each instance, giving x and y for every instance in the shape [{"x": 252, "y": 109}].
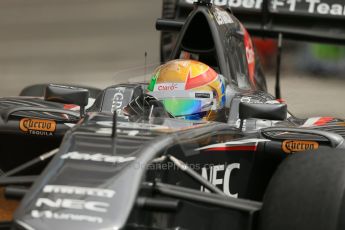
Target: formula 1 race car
[{"x": 71, "y": 160}]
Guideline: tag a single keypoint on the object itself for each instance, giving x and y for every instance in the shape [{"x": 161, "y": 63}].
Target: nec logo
[
  {"x": 73, "y": 204},
  {"x": 220, "y": 175},
  {"x": 171, "y": 87}
]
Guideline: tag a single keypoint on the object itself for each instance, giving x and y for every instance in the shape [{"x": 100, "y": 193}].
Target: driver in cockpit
[{"x": 188, "y": 89}]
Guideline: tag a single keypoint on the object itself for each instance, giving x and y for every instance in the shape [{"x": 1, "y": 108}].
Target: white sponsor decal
[
  {"x": 94, "y": 206},
  {"x": 245, "y": 3},
  {"x": 213, "y": 175},
  {"x": 62, "y": 189},
  {"x": 246, "y": 142},
  {"x": 98, "y": 157},
  {"x": 216, "y": 2},
  {"x": 65, "y": 216},
  {"x": 222, "y": 17},
  {"x": 238, "y": 124},
  {"x": 246, "y": 99},
  {"x": 252, "y": 100},
  {"x": 317, "y": 6},
  {"x": 310, "y": 6},
  {"x": 131, "y": 133},
  {"x": 118, "y": 99},
  {"x": 234, "y": 3}
]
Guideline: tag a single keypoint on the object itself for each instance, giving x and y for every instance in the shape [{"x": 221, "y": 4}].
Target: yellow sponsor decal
[
  {"x": 341, "y": 124},
  {"x": 293, "y": 146},
  {"x": 37, "y": 126}
]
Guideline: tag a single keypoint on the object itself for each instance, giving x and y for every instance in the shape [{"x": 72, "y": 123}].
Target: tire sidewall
[{"x": 306, "y": 192}]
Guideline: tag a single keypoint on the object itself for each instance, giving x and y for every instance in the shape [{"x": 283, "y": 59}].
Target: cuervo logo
[
  {"x": 27, "y": 124},
  {"x": 293, "y": 146},
  {"x": 37, "y": 126}
]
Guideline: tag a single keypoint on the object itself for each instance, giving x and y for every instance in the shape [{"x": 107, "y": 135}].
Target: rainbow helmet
[{"x": 188, "y": 89}]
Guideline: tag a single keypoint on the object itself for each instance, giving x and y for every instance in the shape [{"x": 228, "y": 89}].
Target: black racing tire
[
  {"x": 306, "y": 192},
  {"x": 37, "y": 90},
  {"x": 168, "y": 39}
]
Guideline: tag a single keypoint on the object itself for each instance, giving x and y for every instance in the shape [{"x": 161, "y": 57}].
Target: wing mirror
[
  {"x": 68, "y": 95},
  {"x": 277, "y": 112}
]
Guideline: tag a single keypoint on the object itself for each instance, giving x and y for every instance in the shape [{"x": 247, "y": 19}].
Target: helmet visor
[{"x": 180, "y": 107}]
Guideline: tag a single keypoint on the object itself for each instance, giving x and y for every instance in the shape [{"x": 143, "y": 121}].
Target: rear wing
[{"x": 307, "y": 20}]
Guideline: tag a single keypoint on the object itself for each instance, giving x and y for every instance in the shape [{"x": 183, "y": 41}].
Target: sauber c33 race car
[{"x": 123, "y": 161}]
